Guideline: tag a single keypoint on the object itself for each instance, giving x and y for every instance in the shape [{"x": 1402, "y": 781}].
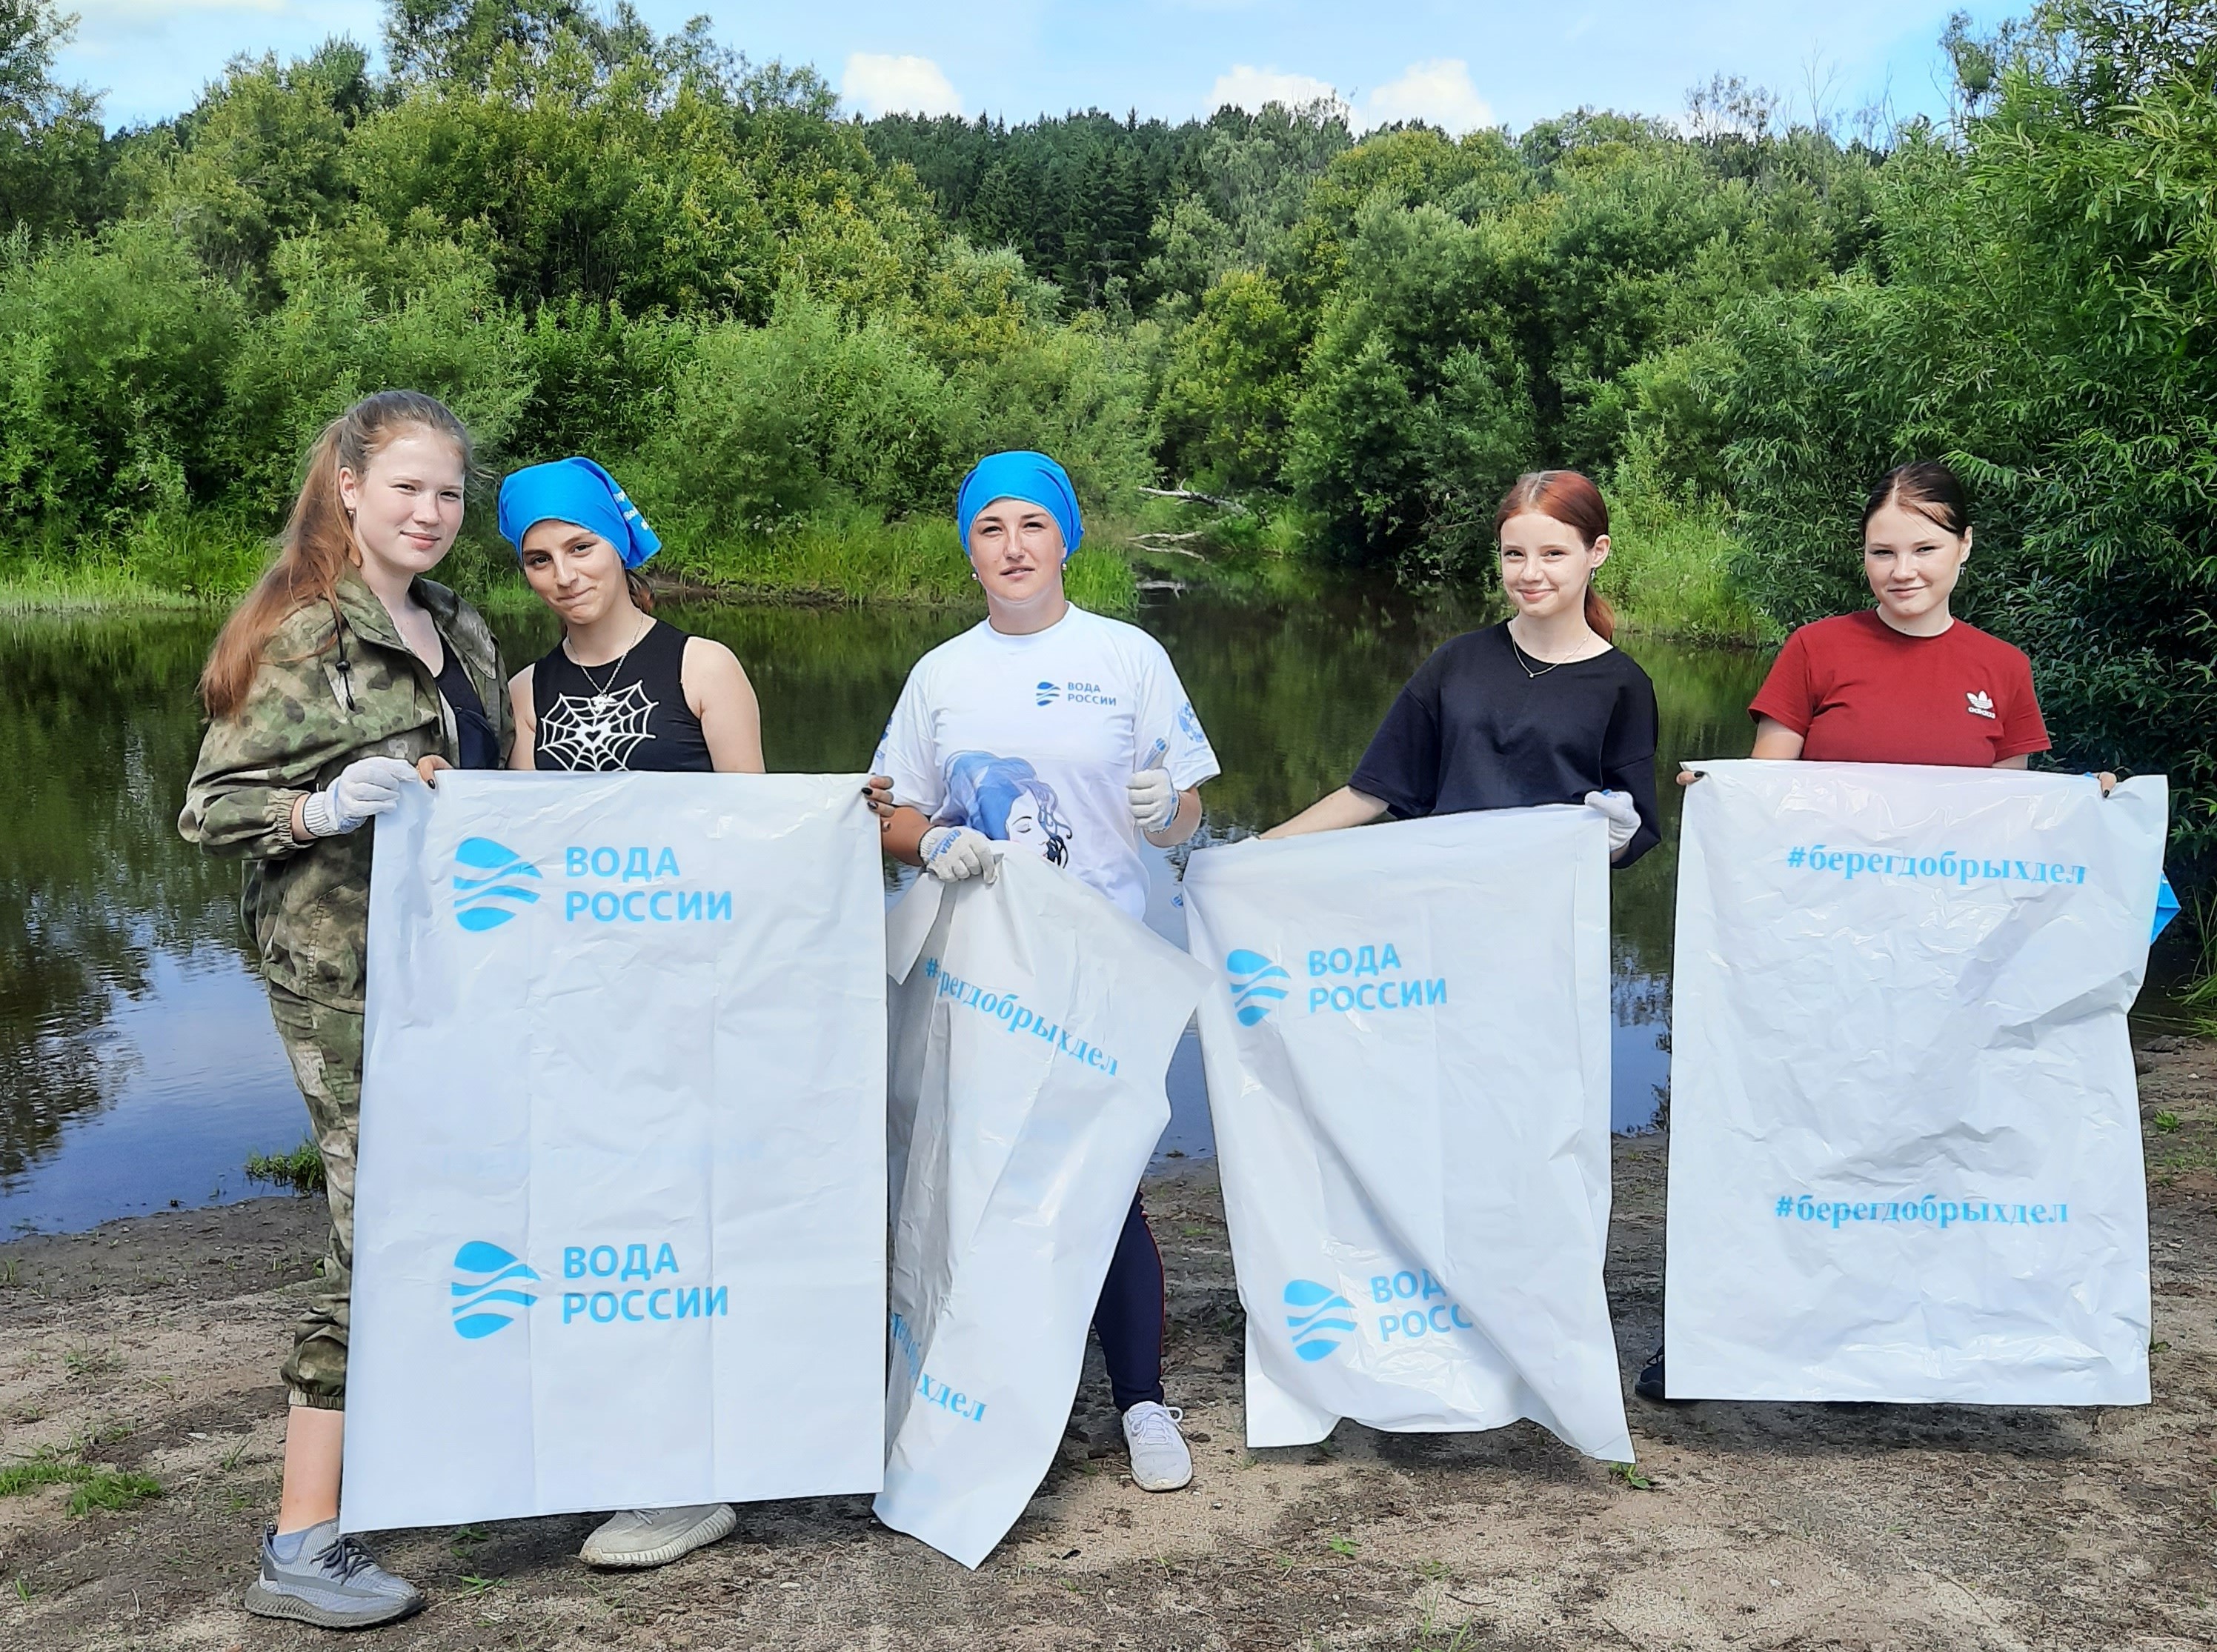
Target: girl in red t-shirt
[{"x": 1906, "y": 681}]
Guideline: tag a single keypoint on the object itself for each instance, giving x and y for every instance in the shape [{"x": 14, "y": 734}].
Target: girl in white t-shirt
[{"x": 1049, "y": 731}]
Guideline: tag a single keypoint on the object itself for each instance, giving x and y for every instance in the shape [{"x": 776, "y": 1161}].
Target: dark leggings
[{"x": 1129, "y": 1320}]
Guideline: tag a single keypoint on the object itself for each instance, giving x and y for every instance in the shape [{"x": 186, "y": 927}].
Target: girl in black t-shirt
[
  {"x": 622, "y": 689},
  {"x": 1540, "y": 709}
]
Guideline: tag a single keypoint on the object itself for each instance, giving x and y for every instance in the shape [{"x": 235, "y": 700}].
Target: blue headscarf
[
  {"x": 1033, "y": 477},
  {"x": 575, "y": 490}
]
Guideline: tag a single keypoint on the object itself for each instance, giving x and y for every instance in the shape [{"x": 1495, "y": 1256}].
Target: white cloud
[
  {"x": 1437, "y": 90},
  {"x": 878, "y": 83},
  {"x": 1250, "y": 88}
]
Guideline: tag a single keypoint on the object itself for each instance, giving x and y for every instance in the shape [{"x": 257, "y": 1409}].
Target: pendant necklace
[
  {"x": 1524, "y": 660},
  {"x": 600, "y": 703}
]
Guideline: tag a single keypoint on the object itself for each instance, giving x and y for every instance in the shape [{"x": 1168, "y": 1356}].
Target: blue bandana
[
  {"x": 1033, "y": 477},
  {"x": 575, "y": 490}
]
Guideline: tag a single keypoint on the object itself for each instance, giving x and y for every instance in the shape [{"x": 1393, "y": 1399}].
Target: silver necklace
[
  {"x": 1520, "y": 654},
  {"x": 600, "y": 701}
]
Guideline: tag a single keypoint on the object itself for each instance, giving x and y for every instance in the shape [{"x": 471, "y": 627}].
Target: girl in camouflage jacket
[{"x": 345, "y": 675}]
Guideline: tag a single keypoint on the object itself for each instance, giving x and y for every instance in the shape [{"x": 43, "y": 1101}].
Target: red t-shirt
[{"x": 1858, "y": 691}]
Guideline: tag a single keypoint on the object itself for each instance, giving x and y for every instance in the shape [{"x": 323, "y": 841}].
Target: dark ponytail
[{"x": 1927, "y": 487}]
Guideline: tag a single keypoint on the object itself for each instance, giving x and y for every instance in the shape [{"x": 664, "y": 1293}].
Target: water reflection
[
  {"x": 138, "y": 1067},
  {"x": 97, "y": 735}
]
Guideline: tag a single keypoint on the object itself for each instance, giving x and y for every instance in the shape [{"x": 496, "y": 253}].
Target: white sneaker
[
  {"x": 1160, "y": 1461},
  {"x": 655, "y": 1537}
]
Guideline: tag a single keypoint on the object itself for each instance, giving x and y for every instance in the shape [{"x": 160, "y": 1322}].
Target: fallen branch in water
[
  {"x": 1168, "y": 545},
  {"x": 1192, "y": 498}
]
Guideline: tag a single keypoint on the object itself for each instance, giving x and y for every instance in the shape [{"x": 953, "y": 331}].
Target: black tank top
[{"x": 627, "y": 714}]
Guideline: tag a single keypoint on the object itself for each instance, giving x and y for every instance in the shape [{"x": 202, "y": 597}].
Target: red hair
[{"x": 1575, "y": 503}]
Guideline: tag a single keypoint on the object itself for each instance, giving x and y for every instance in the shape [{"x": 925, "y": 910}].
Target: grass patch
[
  {"x": 200, "y": 559},
  {"x": 1669, "y": 574},
  {"x": 52, "y": 587},
  {"x": 97, "y": 1486},
  {"x": 858, "y": 557},
  {"x": 302, "y": 1169},
  {"x": 90, "y": 1361}
]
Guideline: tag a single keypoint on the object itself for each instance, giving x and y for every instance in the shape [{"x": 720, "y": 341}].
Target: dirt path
[{"x": 150, "y": 1348}]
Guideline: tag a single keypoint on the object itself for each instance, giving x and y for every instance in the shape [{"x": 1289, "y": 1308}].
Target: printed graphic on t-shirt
[
  {"x": 1074, "y": 693},
  {"x": 1982, "y": 703},
  {"x": 1005, "y": 799},
  {"x": 596, "y": 732}
]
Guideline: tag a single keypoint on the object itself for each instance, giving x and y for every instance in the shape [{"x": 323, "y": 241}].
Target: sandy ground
[{"x": 151, "y": 1346}]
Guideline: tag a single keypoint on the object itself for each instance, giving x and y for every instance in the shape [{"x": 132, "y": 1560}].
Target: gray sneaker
[
  {"x": 333, "y": 1585},
  {"x": 655, "y": 1537}
]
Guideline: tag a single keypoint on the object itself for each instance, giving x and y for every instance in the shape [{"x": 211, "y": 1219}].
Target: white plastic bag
[
  {"x": 1408, "y": 1067},
  {"x": 619, "y": 1216},
  {"x": 1904, "y": 1140},
  {"x": 1030, "y": 1031}
]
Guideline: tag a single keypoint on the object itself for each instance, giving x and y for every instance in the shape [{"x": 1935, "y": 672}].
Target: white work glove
[
  {"x": 1154, "y": 800},
  {"x": 366, "y": 786},
  {"x": 1622, "y": 815},
  {"x": 953, "y": 853}
]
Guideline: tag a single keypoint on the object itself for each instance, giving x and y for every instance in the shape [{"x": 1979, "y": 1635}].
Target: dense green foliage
[
  {"x": 790, "y": 331},
  {"x": 2038, "y": 306}
]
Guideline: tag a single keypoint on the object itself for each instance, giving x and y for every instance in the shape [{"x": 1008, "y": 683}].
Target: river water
[{"x": 138, "y": 1067}]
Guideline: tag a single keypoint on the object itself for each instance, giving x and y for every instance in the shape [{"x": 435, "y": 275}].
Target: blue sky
[{"x": 1478, "y": 63}]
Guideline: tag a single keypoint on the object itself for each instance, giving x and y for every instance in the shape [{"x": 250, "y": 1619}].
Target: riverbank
[
  {"x": 1669, "y": 576},
  {"x": 208, "y": 562},
  {"x": 149, "y": 1348}
]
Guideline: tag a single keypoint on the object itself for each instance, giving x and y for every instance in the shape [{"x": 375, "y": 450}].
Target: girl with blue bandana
[
  {"x": 1048, "y": 730},
  {"x": 622, "y": 689}
]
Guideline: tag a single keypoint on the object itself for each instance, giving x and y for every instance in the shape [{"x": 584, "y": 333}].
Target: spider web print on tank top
[
  {"x": 597, "y": 732},
  {"x": 634, "y": 717}
]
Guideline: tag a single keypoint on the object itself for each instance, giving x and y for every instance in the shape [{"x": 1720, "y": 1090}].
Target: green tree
[
  {"x": 53, "y": 157},
  {"x": 1227, "y": 397},
  {"x": 113, "y": 352},
  {"x": 2039, "y": 310},
  {"x": 1415, "y": 411},
  {"x": 261, "y": 157}
]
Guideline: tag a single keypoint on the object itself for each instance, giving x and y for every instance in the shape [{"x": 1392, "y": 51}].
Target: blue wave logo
[
  {"x": 1320, "y": 1320},
  {"x": 1257, "y": 985},
  {"x": 488, "y": 889},
  {"x": 1048, "y": 694},
  {"x": 485, "y": 1290}
]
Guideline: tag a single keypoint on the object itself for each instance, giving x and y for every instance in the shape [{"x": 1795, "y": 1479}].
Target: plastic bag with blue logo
[
  {"x": 619, "y": 1220},
  {"x": 1905, "y": 1159},
  {"x": 1032, "y": 1025},
  {"x": 1408, "y": 1069}
]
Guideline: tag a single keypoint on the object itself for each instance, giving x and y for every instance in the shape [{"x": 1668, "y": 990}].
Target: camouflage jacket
[{"x": 335, "y": 683}]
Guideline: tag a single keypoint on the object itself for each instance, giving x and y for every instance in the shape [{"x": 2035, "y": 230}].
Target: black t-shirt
[
  {"x": 1473, "y": 729},
  {"x": 476, "y": 745}
]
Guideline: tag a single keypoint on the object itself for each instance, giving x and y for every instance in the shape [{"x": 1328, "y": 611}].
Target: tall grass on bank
[
  {"x": 205, "y": 560},
  {"x": 1669, "y": 573},
  {"x": 859, "y": 558}
]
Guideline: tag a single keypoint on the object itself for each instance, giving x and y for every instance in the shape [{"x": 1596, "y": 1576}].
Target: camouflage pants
[{"x": 325, "y": 1046}]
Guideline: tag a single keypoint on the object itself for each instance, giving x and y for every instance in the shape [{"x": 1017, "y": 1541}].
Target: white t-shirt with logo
[{"x": 1032, "y": 741}]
